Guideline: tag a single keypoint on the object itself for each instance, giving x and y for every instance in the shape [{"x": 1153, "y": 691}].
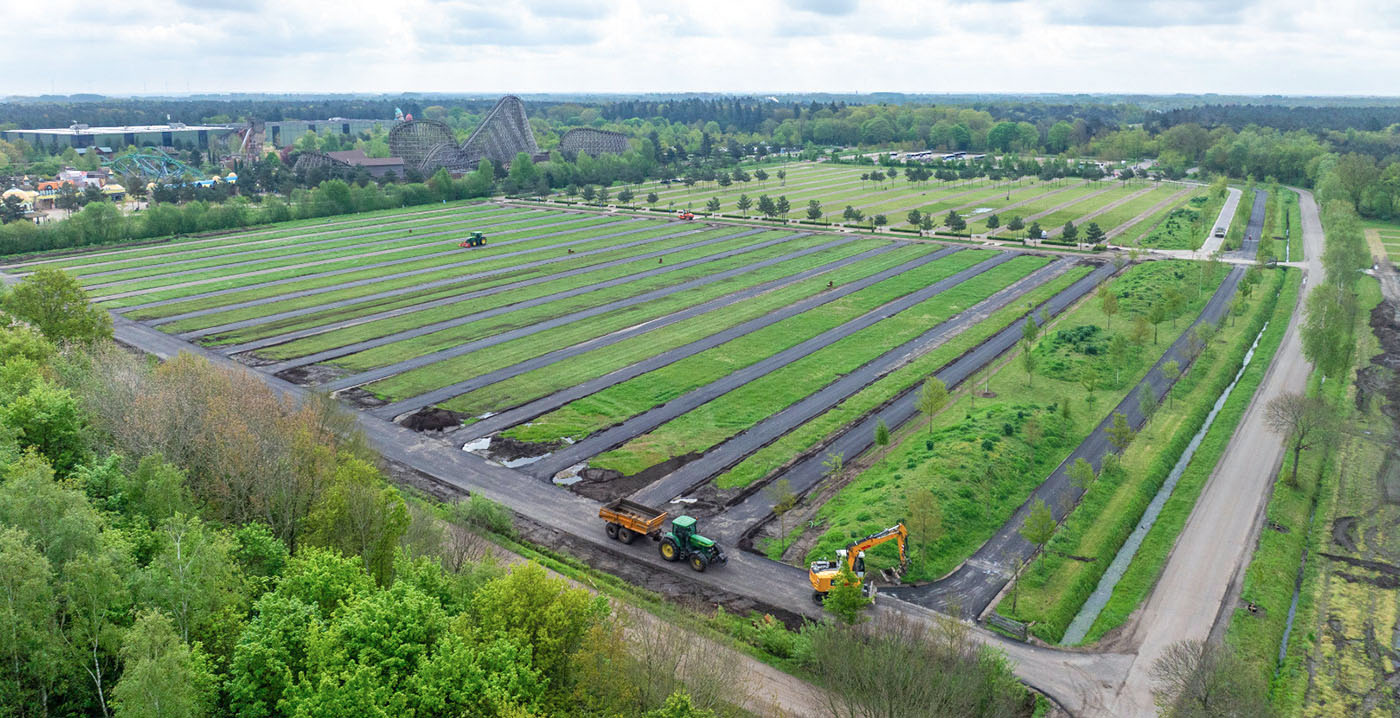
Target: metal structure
[
  {"x": 594, "y": 142},
  {"x": 312, "y": 160},
  {"x": 412, "y": 141},
  {"x": 153, "y": 165},
  {"x": 428, "y": 145}
]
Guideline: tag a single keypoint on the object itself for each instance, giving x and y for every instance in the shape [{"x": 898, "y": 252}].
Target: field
[
  {"x": 1387, "y": 233},
  {"x": 1117, "y": 207}
]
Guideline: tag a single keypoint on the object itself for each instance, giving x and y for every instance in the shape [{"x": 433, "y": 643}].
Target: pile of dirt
[
  {"x": 308, "y": 375},
  {"x": 361, "y": 399},
  {"x": 608, "y": 484},
  {"x": 505, "y": 448},
  {"x": 432, "y": 418}
]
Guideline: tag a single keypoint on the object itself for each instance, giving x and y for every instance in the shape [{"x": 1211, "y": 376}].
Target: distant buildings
[{"x": 173, "y": 134}]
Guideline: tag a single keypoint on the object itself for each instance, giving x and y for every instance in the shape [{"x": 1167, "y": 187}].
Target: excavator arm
[{"x": 898, "y": 532}]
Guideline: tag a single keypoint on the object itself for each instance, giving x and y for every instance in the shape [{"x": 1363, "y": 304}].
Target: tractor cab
[
  {"x": 475, "y": 239},
  {"x": 683, "y": 542}
]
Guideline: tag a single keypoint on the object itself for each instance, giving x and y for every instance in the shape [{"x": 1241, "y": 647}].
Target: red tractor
[{"x": 687, "y": 215}]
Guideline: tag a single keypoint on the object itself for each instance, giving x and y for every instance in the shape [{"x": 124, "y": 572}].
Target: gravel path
[
  {"x": 458, "y": 321},
  {"x": 636, "y": 227},
  {"x": 382, "y": 372},
  {"x": 449, "y": 249},
  {"x": 524, "y": 412},
  {"x": 453, "y": 299},
  {"x": 725, "y": 455},
  {"x": 476, "y": 259},
  {"x": 640, "y": 424}
]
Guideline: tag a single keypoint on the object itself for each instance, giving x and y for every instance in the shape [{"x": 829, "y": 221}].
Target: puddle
[
  {"x": 983, "y": 210},
  {"x": 1089, "y": 612},
  {"x": 487, "y": 415},
  {"x": 478, "y": 446},
  {"x": 571, "y": 475},
  {"x": 514, "y": 463},
  {"x": 684, "y": 501}
]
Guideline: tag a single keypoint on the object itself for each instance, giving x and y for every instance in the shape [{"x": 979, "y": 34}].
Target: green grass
[
  {"x": 740, "y": 409},
  {"x": 386, "y": 283},
  {"x": 681, "y": 245},
  {"x": 522, "y": 317},
  {"x": 448, "y": 338},
  {"x": 224, "y": 254},
  {"x": 343, "y": 258},
  {"x": 797, "y": 442},
  {"x": 308, "y": 277},
  {"x": 1338, "y": 480},
  {"x": 593, "y": 413},
  {"x": 159, "y": 245},
  {"x": 1100, "y": 194},
  {"x": 1183, "y": 226},
  {"x": 976, "y": 458},
  {"x": 541, "y": 382},
  {"x": 1151, "y": 556},
  {"x": 1051, "y": 595},
  {"x": 450, "y": 371},
  {"x": 1128, "y": 211}
]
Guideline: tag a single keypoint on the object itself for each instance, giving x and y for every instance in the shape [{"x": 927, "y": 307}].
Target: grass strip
[
  {"x": 590, "y": 414},
  {"x": 747, "y": 405},
  {"x": 547, "y": 380}
]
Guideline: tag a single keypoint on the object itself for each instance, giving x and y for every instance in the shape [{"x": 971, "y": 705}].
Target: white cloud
[{"x": 1280, "y": 46}]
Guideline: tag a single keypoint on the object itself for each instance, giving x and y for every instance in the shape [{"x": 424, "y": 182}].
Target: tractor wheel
[
  {"x": 625, "y": 534},
  {"x": 819, "y": 598},
  {"x": 668, "y": 550},
  {"x": 612, "y": 530},
  {"x": 698, "y": 563}
]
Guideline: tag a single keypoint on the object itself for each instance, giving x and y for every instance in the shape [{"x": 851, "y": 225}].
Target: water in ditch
[{"x": 1089, "y": 612}]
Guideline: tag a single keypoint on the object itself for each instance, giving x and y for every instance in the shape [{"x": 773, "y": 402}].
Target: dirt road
[{"x": 1218, "y": 538}]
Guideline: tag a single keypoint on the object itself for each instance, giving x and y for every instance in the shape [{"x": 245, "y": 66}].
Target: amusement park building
[{"x": 174, "y": 134}]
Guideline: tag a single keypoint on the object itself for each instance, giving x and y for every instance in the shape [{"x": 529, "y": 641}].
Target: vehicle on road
[
  {"x": 626, "y": 520},
  {"x": 685, "y": 215},
  {"x": 1220, "y": 231},
  {"x": 822, "y": 573},
  {"x": 475, "y": 239}
]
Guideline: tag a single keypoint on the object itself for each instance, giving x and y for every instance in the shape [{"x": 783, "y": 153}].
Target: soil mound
[{"x": 431, "y": 418}]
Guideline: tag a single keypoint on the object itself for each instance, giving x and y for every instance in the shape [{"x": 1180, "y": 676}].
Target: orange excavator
[{"x": 823, "y": 573}]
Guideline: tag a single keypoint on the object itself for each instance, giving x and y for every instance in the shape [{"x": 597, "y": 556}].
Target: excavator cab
[{"x": 822, "y": 573}]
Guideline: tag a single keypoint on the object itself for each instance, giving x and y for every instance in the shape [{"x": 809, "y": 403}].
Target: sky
[{"x": 1329, "y": 47}]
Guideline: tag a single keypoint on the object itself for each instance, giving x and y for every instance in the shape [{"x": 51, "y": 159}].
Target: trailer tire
[
  {"x": 668, "y": 549},
  {"x": 698, "y": 563},
  {"x": 611, "y": 530},
  {"x": 625, "y": 534}
]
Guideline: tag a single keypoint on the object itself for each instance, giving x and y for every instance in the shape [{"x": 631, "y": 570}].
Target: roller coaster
[{"x": 152, "y": 165}]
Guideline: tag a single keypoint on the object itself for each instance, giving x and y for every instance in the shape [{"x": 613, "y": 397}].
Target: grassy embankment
[
  {"x": 1052, "y": 593},
  {"x": 1138, "y": 579},
  {"x": 1328, "y": 665},
  {"x": 979, "y": 460}
]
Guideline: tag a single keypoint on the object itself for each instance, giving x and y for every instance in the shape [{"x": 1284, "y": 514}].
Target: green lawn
[
  {"x": 598, "y": 411},
  {"x": 739, "y": 409},
  {"x": 1183, "y": 226},
  {"x": 978, "y": 460}
]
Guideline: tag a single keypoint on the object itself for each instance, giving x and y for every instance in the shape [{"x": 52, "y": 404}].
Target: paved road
[
  {"x": 160, "y": 266},
  {"x": 302, "y": 265},
  {"x": 636, "y": 227},
  {"x": 974, "y": 585},
  {"x": 720, "y": 458},
  {"x": 524, "y": 412},
  {"x": 1216, "y": 543},
  {"x": 808, "y": 471},
  {"x": 430, "y": 304},
  {"x": 1249, "y": 247},
  {"x": 421, "y": 360},
  {"x": 1227, "y": 214},
  {"x": 425, "y": 329},
  {"x": 180, "y": 246},
  {"x": 634, "y": 426}
]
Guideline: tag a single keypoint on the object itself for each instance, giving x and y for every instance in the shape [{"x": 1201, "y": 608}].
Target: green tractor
[
  {"x": 475, "y": 239},
  {"x": 683, "y": 542}
]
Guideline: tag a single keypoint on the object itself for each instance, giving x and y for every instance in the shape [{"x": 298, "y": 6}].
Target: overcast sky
[{"x": 749, "y": 46}]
